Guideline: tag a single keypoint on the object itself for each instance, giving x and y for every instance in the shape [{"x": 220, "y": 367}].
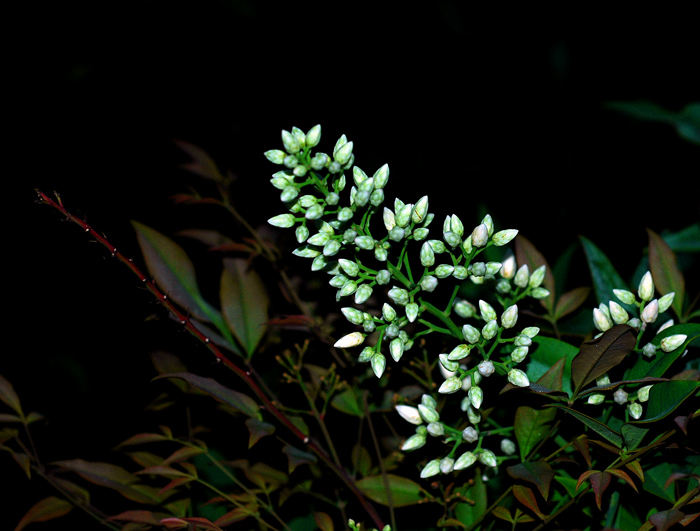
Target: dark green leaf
[
  {"x": 468, "y": 513},
  {"x": 531, "y": 426},
  {"x": 173, "y": 272},
  {"x": 548, "y": 353},
  {"x": 686, "y": 240},
  {"x": 403, "y": 491},
  {"x": 361, "y": 460},
  {"x": 244, "y": 302},
  {"x": 537, "y": 472},
  {"x": 664, "y": 270},
  {"x": 605, "y": 277},
  {"x": 598, "y": 356},
  {"x": 258, "y": 429},
  {"x": 597, "y": 426},
  {"x": 665, "y": 397},
  {"x": 298, "y": 457},
  {"x": 347, "y": 402},
  {"x": 233, "y": 399},
  {"x": 655, "y": 481},
  {"x": 8, "y": 395},
  {"x": 665, "y": 359},
  {"x": 43, "y": 510}
]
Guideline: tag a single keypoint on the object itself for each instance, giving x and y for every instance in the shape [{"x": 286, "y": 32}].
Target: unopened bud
[
  {"x": 383, "y": 277},
  {"x": 420, "y": 210},
  {"x": 503, "y": 237},
  {"x": 427, "y": 255},
  {"x": 464, "y": 309},
  {"x": 471, "y": 334},
  {"x": 476, "y": 396},
  {"x": 436, "y": 429},
  {"x": 351, "y": 340},
  {"x": 519, "y": 354},
  {"x": 381, "y": 177},
  {"x": 431, "y": 469},
  {"x": 429, "y": 283},
  {"x": 451, "y": 385},
  {"x": 518, "y": 377},
  {"x": 342, "y": 155},
  {"x": 510, "y": 317},
  {"x": 624, "y": 296},
  {"x": 672, "y": 342},
  {"x": 522, "y": 276},
  {"x": 378, "y": 364},
  {"x": 643, "y": 393},
  {"x": 399, "y": 296},
  {"x": 508, "y": 447},
  {"x": 459, "y": 352},
  {"x": 465, "y": 460},
  {"x": 487, "y": 311},
  {"x": 490, "y": 329},
  {"x": 596, "y": 398},
  {"x": 620, "y": 396},
  {"x": 486, "y": 368},
  {"x": 428, "y": 413},
  {"x": 470, "y": 434},
  {"x": 412, "y": 311},
  {"x": 537, "y": 277},
  {"x": 353, "y": 315},
  {"x": 618, "y": 313},
  {"x": 480, "y": 235},
  {"x": 635, "y": 410},
  {"x": 488, "y": 458},
  {"x": 649, "y": 350},
  {"x": 666, "y": 301},
  {"x": 646, "y": 287},
  {"x": 409, "y": 413},
  {"x": 276, "y": 156},
  {"x": 413, "y": 442},
  {"x": 650, "y": 312},
  {"x": 601, "y": 320},
  {"x": 396, "y": 349}
]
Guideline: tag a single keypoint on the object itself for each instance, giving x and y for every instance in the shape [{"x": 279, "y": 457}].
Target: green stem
[{"x": 453, "y": 328}]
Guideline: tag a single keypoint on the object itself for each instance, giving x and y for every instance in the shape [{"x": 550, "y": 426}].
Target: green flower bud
[
  {"x": 459, "y": 352},
  {"x": 283, "y": 221},
  {"x": 470, "y": 434},
  {"x": 467, "y": 244},
  {"x": 353, "y": 315},
  {"x": 646, "y": 287},
  {"x": 490, "y": 329},
  {"x": 436, "y": 429},
  {"x": 650, "y": 312},
  {"x": 486, "y": 368},
  {"x": 429, "y": 283},
  {"x": 411, "y": 311},
  {"x": 635, "y": 410},
  {"x": 539, "y": 293},
  {"x": 473, "y": 415},
  {"x": 413, "y": 442},
  {"x": 345, "y": 214},
  {"x": 366, "y": 354},
  {"x": 389, "y": 219},
  {"x": 480, "y": 235},
  {"x": 281, "y": 180},
  {"x": 601, "y": 320},
  {"x": 508, "y": 447},
  {"x": 530, "y": 331},
  {"x": 338, "y": 281},
  {"x": 342, "y": 155},
  {"x": 492, "y": 268},
  {"x": 478, "y": 269},
  {"x": 319, "y": 161},
  {"x": 403, "y": 216},
  {"x": 519, "y": 354},
  {"x": 487, "y": 311},
  {"x": 510, "y": 316},
  {"x": 488, "y": 458},
  {"x": 365, "y": 242},
  {"x": 319, "y": 263},
  {"x": 504, "y": 237},
  {"x": 290, "y": 193},
  {"x": 444, "y": 270},
  {"x": 378, "y": 364},
  {"x": 396, "y": 349},
  {"x": 300, "y": 170},
  {"x": 522, "y": 276},
  {"x": 290, "y": 161},
  {"x": 301, "y": 233},
  {"x": 376, "y": 198},
  {"x": 420, "y": 210},
  {"x": 672, "y": 342},
  {"x": 410, "y": 414},
  {"x": 428, "y": 413},
  {"x": 359, "y": 176},
  {"x": 369, "y": 325},
  {"x": 319, "y": 238},
  {"x": 399, "y": 296},
  {"x": 361, "y": 198},
  {"x": 489, "y": 224},
  {"x": 397, "y": 234},
  {"x": 306, "y": 251},
  {"x": 471, "y": 334},
  {"x": 476, "y": 396},
  {"x": 315, "y": 211},
  {"x": 643, "y": 393},
  {"x": 348, "y": 289},
  {"x": 649, "y": 350},
  {"x": 380, "y": 254},
  {"x": 350, "y": 340},
  {"x": 331, "y": 248},
  {"x": 447, "y": 465},
  {"x": 427, "y": 256},
  {"x": 428, "y": 400},
  {"x": 275, "y": 156},
  {"x": 351, "y": 268},
  {"x": 450, "y": 385},
  {"x": 460, "y": 272},
  {"x": 537, "y": 277},
  {"x": 624, "y": 296},
  {"x": 291, "y": 143},
  {"x": 452, "y": 239},
  {"x": 363, "y": 293},
  {"x": 518, "y": 377},
  {"x": 332, "y": 199},
  {"x": 596, "y": 398},
  {"x": 431, "y": 469},
  {"x": 618, "y": 313},
  {"x": 503, "y": 286},
  {"x": 388, "y": 313},
  {"x": 420, "y": 234},
  {"x": 603, "y": 380},
  {"x": 383, "y": 277},
  {"x": 464, "y": 309},
  {"x": 521, "y": 340},
  {"x": 620, "y": 396},
  {"x": 313, "y": 136},
  {"x": 467, "y": 459},
  {"x": 666, "y": 301},
  {"x": 381, "y": 177},
  {"x": 450, "y": 366}
]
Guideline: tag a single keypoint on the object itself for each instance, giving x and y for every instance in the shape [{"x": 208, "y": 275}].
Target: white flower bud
[
  {"x": 519, "y": 354},
  {"x": 353, "y": 315},
  {"x": 381, "y": 177},
  {"x": 503, "y": 237},
  {"x": 624, "y": 296},
  {"x": 618, "y": 313},
  {"x": 650, "y": 312},
  {"x": 508, "y": 447},
  {"x": 470, "y": 434},
  {"x": 539, "y": 293},
  {"x": 486, "y": 368},
  {"x": 490, "y": 329},
  {"x": 413, "y": 442},
  {"x": 428, "y": 413},
  {"x": 480, "y": 235},
  {"x": 596, "y": 398},
  {"x": 646, "y": 287},
  {"x": 649, "y": 350},
  {"x": 487, "y": 311},
  {"x": 666, "y": 301},
  {"x": 409, "y": 413},
  {"x": 530, "y": 331},
  {"x": 451, "y": 385},
  {"x": 518, "y": 377},
  {"x": 342, "y": 155},
  {"x": 537, "y": 277},
  {"x": 672, "y": 342},
  {"x": 488, "y": 221},
  {"x": 473, "y": 415},
  {"x": 510, "y": 316},
  {"x": 378, "y": 364},
  {"x": 620, "y": 396},
  {"x": 431, "y": 469},
  {"x": 603, "y": 380},
  {"x": 389, "y": 219},
  {"x": 427, "y": 255},
  {"x": 449, "y": 366},
  {"x": 459, "y": 352},
  {"x": 488, "y": 458},
  {"x": 464, "y": 308},
  {"x": 664, "y": 326},
  {"x": 643, "y": 393},
  {"x": 476, "y": 396},
  {"x": 465, "y": 460},
  {"x": 420, "y": 210},
  {"x": 471, "y": 334},
  {"x": 447, "y": 465},
  {"x": 399, "y": 296},
  {"x": 429, "y": 283},
  {"x": 522, "y": 276},
  {"x": 508, "y": 266},
  {"x": 412, "y": 311},
  {"x": 283, "y": 221},
  {"x": 436, "y": 429},
  {"x": 601, "y": 320},
  {"x": 635, "y": 410},
  {"x": 396, "y": 348},
  {"x": 351, "y": 340}
]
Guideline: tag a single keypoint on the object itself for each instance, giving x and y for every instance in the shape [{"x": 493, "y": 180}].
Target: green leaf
[
  {"x": 43, "y": 510},
  {"x": 664, "y": 270},
  {"x": 665, "y": 398},
  {"x": 655, "y": 481},
  {"x": 468, "y": 513},
  {"x": 537, "y": 472},
  {"x": 531, "y": 426},
  {"x": 298, "y": 457},
  {"x": 403, "y": 491},
  {"x": 173, "y": 272},
  {"x": 525, "y": 496},
  {"x": 547, "y": 354},
  {"x": 244, "y": 302},
  {"x": 597, "y": 426},
  {"x": 8, "y": 395},
  {"x": 235, "y": 400},
  {"x": 605, "y": 277},
  {"x": 347, "y": 402},
  {"x": 686, "y": 240},
  {"x": 258, "y": 429},
  {"x": 323, "y": 521},
  {"x": 598, "y": 356},
  {"x": 665, "y": 359}
]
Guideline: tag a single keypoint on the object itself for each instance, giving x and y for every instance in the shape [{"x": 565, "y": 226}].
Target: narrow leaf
[
  {"x": 527, "y": 253},
  {"x": 234, "y": 399},
  {"x": 605, "y": 277},
  {"x": 501, "y": 512},
  {"x": 531, "y": 426},
  {"x": 525, "y": 496},
  {"x": 323, "y": 521},
  {"x": 598, "y": 356},
  {"x": 173, "y": 271},
  {"x": 403, "y": 491},
  {"x": 571, "y": 301},
  {"x": 664, "y": 270},
  {"x": 548, "y": 353},
  {"x": 202, "y": 164},
  {"x": 665, "y": 519},
  {"x": 597, "y": 426},
  {"x": 8, "y": 395},
  {"x": 258, "y": 429},
  {"x": 623, "y": 476},
  {"x": 43, "y": 510},
  {"x": 297, "y": 457},
  {"x": 244, "y": 302},
  {"x": 196, "y": 522},
  {"x": 139, "y": 517},
  {"x": 537, "y": 472}
]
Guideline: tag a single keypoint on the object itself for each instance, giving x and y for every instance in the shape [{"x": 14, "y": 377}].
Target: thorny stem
[{"x": 246, "y": 376}]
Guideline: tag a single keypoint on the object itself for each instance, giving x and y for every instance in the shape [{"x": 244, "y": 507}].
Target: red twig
[{"x": 245, "y": 375}]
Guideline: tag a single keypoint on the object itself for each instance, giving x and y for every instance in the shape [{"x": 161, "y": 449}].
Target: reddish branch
[{"x": 245, "y": 375}]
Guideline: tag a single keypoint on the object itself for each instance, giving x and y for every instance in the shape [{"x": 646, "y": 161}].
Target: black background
[{"x": 474, "y": 103}]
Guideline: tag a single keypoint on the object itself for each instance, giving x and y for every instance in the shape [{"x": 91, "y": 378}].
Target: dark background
[{"x": 475, "y": 103}]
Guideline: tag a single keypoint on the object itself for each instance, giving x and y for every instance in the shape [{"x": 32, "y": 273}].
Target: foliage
[{"x": 486, "y": 393}]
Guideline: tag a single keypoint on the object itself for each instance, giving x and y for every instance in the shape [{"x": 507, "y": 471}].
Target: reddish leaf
[
  {"x": 202, "y": 164},
  {"x": 139, "y": 517},
  {"x": 689, "y": 518},
  {"x": 179, "y": 523},
  {"x": 537, "y": 472},
  {"x": 682, "y": 422},
  {"x": 570, "y": 301},
  {"x": 581, "y": 444},
  {"x": 598, "y": 356},
  {"x": 636, "y": 467},
  {"x": 664, "y": 270},
  {"x": 9, "y": 396},
  {"x": 599, "y": 482},
  {"x": 525, "y": 496},
  {"x": 142, "y": 438},
  {"x": 258, "y": 429},
  {"x": 323, "y": 521},
  {"x": 236, "y": 515},
  {"x": 623, "y": 476},
  {"x": 43, "y": 510},
  {"x": 665, "y": 519},
  {"x": 501, "y": 512},
  {"x": 183, "y": 454},
  {"x": 176, "y": 483},
  {"x": 526, "y": 253}
]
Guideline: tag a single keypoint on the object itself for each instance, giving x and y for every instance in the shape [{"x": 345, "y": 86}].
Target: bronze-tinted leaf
[
  {"x": 525, "y": 496},
  {"x": 258, "y": 429},
  {"x": 537, "y": 472},
  {"x": 501, "y": 512},
  {"x": 402, "y": 491},
  {"x": 571, "y": 301},
  {"x": 43, "y": 510},
  {"x": 202, "y": 164},
  {"x": 598, "y": 356},
  {"x": 623, "y": 476},
  {"x": 323, "y": 521},
  {"x": 527, "y": 253},
  {"x": 9, "y": 396},
  {"x": 664, "y": 270},
  {"x": 189, "y": 523},
  {"x": 599, "y": 482},
  {"x": 666, "y": 519},
  {"x": 139, "y": 517}
]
